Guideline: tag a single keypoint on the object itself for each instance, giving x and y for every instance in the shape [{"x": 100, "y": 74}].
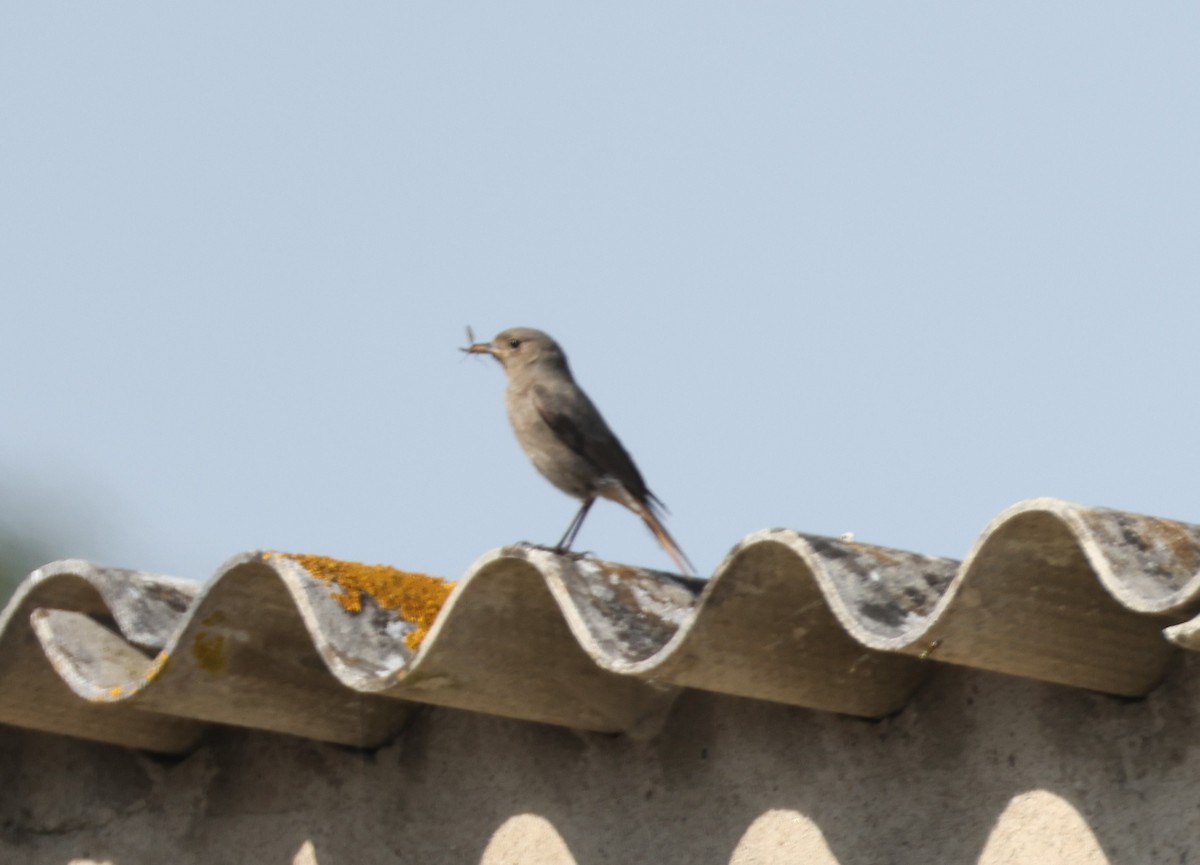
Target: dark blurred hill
[
  {"x": 20, "y": 553},
  {"x": 43, "y": 519}
]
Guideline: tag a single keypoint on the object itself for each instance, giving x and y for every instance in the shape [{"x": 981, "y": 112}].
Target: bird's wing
[{"x": 580, "y": 426}]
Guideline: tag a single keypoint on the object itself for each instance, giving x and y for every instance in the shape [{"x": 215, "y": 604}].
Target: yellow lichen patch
[
  {"x": 209, "y": 651},
  {"x": 416, "y": 597},
  {"x": 1175, "y": 536},
  {"x": 621, "y": 572},
  {"x": 157, "y": 665},
  {"x": 880, "y": 554},
  {"x": 115, "y": 693}
]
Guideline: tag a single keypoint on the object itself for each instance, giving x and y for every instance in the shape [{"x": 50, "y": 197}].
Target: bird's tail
[{"x": 646, "y": 512}]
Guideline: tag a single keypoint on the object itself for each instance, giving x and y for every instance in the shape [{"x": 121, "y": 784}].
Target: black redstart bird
[{"x": 565, "y": 437}]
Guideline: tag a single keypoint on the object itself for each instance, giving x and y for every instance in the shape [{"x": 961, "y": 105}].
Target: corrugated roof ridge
[{"x": 1051, "y": 590}]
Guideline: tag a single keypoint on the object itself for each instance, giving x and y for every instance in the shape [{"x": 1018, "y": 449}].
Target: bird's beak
[{"x": 480, "y": 348}]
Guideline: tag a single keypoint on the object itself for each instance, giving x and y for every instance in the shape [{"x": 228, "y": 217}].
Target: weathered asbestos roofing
[{"x": 341, "y": 652}]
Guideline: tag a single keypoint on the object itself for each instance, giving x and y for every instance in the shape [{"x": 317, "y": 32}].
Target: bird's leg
[{"x": 573, "y": 529}]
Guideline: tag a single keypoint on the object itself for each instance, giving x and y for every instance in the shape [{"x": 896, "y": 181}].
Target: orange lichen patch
[
  {"x": 107, "y": 696},
  {"x": 209, "y": 651},
  {"x": 157, "y": 665},
  {"x": 416, "y": 597},
  {"x": 621, "y": 572},
  {"x": 1175, "y": 536},
  {"x": 879, "y": 553}
]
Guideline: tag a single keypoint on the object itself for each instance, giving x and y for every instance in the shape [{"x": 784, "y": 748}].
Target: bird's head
[{"x": 520, "y": 347}]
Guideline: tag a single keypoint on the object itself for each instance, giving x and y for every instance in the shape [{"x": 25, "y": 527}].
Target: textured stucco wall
[{"x": 980, "y": 768}]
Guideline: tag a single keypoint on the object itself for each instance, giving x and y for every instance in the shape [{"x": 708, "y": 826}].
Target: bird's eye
[{"x": 514, "y": 343}]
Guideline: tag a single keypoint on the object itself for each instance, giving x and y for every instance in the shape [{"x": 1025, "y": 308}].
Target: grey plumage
[{"x": 565, "y": 436}]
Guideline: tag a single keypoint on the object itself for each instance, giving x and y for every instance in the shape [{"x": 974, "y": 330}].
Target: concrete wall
[{"x": 980, "y": 768}]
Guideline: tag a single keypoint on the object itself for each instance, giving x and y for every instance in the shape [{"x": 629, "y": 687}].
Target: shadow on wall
[{"x": 979, "y": 768}]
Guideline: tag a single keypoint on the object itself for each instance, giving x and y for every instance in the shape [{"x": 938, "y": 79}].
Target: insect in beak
[{"x": 474, "y": 347}]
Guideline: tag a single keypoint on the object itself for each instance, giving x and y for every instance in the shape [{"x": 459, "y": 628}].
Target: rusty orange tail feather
[{"x": 668, "y": 542}]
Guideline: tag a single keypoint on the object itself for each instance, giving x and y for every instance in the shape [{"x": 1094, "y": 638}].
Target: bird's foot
[
  {"x": 565, "y": 552},
  {"x": 571, "y": 554}
]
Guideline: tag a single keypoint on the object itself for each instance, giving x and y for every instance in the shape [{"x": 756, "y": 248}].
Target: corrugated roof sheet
[{"x": 341, "y": 652}]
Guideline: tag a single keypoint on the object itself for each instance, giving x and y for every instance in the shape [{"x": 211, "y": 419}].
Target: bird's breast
[{"x": 556, "y": 461}]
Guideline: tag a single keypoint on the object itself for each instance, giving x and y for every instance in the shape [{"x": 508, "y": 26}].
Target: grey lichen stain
[
  {"x": 632, "y": 612},
  {"x": 892, "y": 588},
  {"x": 1162, "y": 555}
]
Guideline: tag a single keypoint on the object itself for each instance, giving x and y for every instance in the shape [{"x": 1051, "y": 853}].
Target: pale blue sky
[{"x": 877, "y": 267}]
